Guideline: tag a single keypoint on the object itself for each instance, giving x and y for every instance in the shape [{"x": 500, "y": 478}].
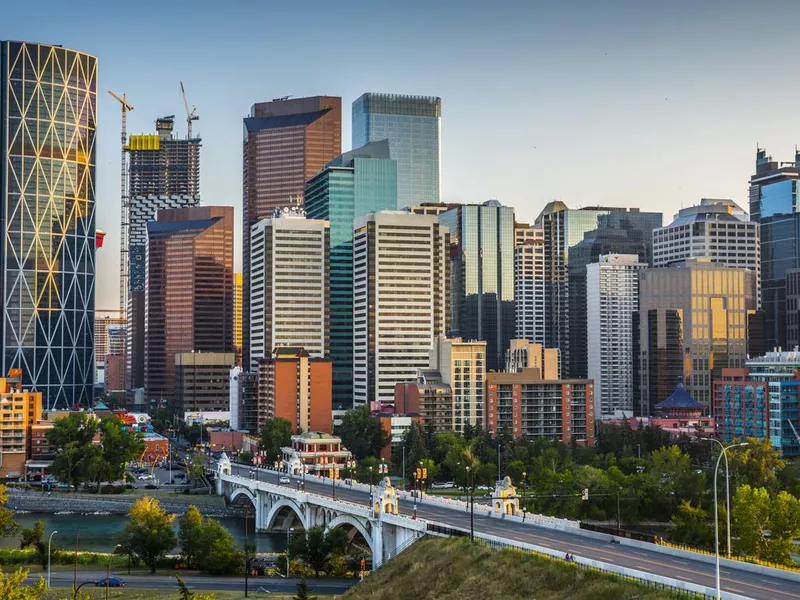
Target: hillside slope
[{"x": 454, "y": 569}]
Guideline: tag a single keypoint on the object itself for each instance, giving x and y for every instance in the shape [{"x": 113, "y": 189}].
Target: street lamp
[
  {"x": 524, "y": 483},
  {"x": 371, "y": 483},
  {"x": 716, "y": 511},
  {"x": 305, "y": 470},
  {"x": 288, "y": 532},
  {"x": 334, "y": 474},
  {"x": 471, "y": 504},
  {"x": 727, "y": 488},
  {"x": 49, "y": 541}
]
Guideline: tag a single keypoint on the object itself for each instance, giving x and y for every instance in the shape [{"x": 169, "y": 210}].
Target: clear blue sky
[{"x": 634, "y": 103}]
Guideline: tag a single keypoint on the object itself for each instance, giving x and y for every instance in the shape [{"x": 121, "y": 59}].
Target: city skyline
[{"x": 623, "y": 81}]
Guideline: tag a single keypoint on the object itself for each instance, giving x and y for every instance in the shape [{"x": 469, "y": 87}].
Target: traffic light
[
  {"x": 585, "y": 494},
  {"x": 419, "y": 473},
  {"x": 424, "y": 472}
]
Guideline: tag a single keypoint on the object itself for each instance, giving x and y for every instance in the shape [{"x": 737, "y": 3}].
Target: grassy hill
[{"x": 454, "y": 569}]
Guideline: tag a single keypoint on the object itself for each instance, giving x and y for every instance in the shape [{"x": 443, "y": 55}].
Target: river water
[{"x": 98, "y": 532}]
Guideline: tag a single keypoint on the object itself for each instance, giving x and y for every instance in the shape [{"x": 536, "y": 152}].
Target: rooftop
[{"x": 680, "y": 398}]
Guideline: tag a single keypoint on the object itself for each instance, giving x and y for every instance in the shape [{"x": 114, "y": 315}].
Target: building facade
[
  {"x": 289, "y": 285},
  {"x": 462, "y": 366},
  {"x": 286, "y": 142},
  {"x": 612, "y": 299},
  {"x": 237, "y": 317},
  {"x": 350, "y": 186},
  {"x": 202, "y": 385},
  {"x": 315, "y": 453},
  {"x": 524, "y": 404},
  {"x": 20, "y": 410},
  {"x": 522, "y": 354},
  {"x": 482, "y": 275},
  {"x": 48, "y": 111},
  {"x": 244, "y": 400},
  {"x": 400, "y": 299},
  {"x": 529, "y": 299},
  {"x": 413, "y": 126},
  {"x": 792, "y": 283},
  {"x": 429, "y": 399},
  {"x": 741, "y": 406},
  {"x": 101, "y": 325},
  {"x": 692, "y": 324},
  {"x": 295, "y": 386},
  {"x": 189, "y": 291},
  {"x": 717, "y": 229}
]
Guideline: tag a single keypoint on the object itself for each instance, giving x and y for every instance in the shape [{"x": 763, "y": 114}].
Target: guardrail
[{"x": 744, "y": 559}]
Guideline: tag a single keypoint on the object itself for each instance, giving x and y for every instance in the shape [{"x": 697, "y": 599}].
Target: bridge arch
[
  {"x": 238, "y": 492},
  {"x": 282, "y": 505},
  {"x": 347, "y": 520}
]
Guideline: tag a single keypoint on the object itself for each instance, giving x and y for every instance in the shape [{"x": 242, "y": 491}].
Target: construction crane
[
  {"x": 124, "y": 205},
  {"x": 190, "y": 115},
  {"x": 797, "y": 435}
]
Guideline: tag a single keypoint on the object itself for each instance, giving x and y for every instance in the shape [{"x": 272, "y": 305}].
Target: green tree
[
  {"x": 362, "y": 433},
  {"x": 149, "y": 533},
  {"x": 13, "y": 586},
  {"x": 119, "y": 446},
  {"x": 198, "y": 465},
  {"x": 187, "y": 594},
  {"x": 276, "y": 434},
  {"x": 189, "y": 530},
  {"x": 77, "y": 458},
  {"x": 7, "y": 524},
  {"x": 756, "y": 464},
  {"x": 692, "y": 526},
  {"x": 303, "y": 590},
  {"x": 316, "y": 547},
  {"x": 217, "y": 554},
  {"x": 33, "y": 537}
]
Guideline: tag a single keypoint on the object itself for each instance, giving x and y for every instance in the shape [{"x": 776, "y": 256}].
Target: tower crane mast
[
  {"x": 191, "y": 115},
  {"x": 124, "y": 205}
]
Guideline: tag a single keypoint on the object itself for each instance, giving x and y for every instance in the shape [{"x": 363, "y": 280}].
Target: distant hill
[{"x": 454, "y": 569}]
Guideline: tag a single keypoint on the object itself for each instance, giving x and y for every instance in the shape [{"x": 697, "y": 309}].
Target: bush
[{"x": 112, "y": 489}]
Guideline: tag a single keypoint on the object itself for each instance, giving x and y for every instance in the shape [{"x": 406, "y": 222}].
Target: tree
[
  {"x": 316, "y": 547},
  {"x": 755, "y": 512},
  {"x": 362, "y": 433},
  {"x": 76, "y": 457},
  {"x": 149, "y": 533},
  {"x": 7, "y": 524},
  {"x": 756, "y": 464},
  {"x": 119, "y": 445},
  {"x": 276, "y": 434},
  {"x": 217, "y": 553},
  {"x": 187, "y": 594},
  {"x": 13, "y": 586},
  {"x": 33, "y": 537},
  {"x": 303, "y": 590},
  {"x": 197, "y": 466},
  {"x": 189, "y": 529},
  {"x": 692, "y": 526}
]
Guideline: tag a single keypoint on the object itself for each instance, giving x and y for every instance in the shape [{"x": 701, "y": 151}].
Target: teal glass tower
[
  {"x": 353, "y": 184},
  {"x": 413, "y": 125},
  {"x": 48, "y": 103}
]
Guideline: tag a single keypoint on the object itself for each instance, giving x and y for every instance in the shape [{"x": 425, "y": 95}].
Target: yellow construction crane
[
  {"x": 124, "y": 206},
  {"x": 190, "y": 115}
]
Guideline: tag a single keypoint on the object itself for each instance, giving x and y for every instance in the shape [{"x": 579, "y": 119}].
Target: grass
[{"x": 454, "y": 569}]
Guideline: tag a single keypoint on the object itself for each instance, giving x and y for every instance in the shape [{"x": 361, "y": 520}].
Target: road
[
  {"x": 685, "y": 567},
  {"x": 201, "y": 582}
]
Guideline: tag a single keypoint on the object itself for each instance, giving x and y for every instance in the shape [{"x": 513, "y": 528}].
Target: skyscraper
[
  {"x": 237, "y": 317},
  {"x": 612, "y": 294},
  {"x": 773, "y": 205},
  {"x": 692, "y": 324},
  {"x": 482, "y": 275},
  {"x": 565, "y": 228},
  {"x": 189, "y": 291},
  {"x": 717, "y": 229},
  {"x": 163, "y": 173},
  {"x": 353, "y": 184},
  {"x": 48, "y": 100},
  {"x": 413, "y": 126},
  {"x": 289, "y": 285},
  {"x": 400, "y": 299},
  {"x": 286, "y": 142},
  {"x": 462, "y": 366},
  {"x": 529, "y": 299}
]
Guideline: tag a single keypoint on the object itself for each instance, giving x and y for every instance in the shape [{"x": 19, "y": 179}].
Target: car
[
  {"x": 180, "y": 476},
  {"x": 285, "y": 479},
  {"x": 144, "y": 477},
  {"x": 110, "y": 582}
]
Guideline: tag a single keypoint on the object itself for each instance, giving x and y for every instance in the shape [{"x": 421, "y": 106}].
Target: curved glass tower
[{"x": 48, "y": 100}]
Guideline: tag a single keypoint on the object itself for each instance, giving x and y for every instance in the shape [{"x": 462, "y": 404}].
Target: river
[{"x": 98, "y": 532}]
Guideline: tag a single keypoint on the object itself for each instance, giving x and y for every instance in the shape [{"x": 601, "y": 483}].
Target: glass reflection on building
[{"x": 48, "y": 100}]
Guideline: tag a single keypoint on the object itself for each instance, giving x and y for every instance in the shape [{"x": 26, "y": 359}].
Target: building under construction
[{"x": 163, "y": 172}]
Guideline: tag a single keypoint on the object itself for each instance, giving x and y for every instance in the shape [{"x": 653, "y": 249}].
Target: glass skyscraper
[
  {"x": 352, "y": 185},
  {"x": 482, "y": 276},
  {"x": 413, "y": 125},
  {"x": 774, "y": 205},
  {"x": 48, "y": 102}
]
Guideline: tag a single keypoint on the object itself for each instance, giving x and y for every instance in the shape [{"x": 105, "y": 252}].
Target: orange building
[
  {"x": 295, "y": 387},
  {"x": 19, "y": 410}
]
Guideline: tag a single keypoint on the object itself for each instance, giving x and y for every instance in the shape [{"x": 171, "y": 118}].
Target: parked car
[
  {"x": 112, "y": 582},
  {"x": 285, "y": 479},
  {"x": 144, "y": 477}
]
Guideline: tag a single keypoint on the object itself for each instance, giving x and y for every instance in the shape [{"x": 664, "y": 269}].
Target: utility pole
[
  {"x": 75, "y": 572},
  {"x": 124, "y": 205}
]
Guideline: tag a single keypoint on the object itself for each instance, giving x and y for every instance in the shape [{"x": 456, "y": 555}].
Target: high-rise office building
[
  {"x": 413, "y": 126},
  {"x": 351, "y": 185},
  {"x": 237, "y": 317},
  {"x": 102, "y": 321},
  {"x": 773, "y": 193},
  {"x": 400, "y": 299},
  {"x": 462, "y": 366},
  {"x": 612, "y": 298},
  {"x": 289, "y": 285},
  {"x": 792, "y": 280},
  {"x": 202, "y": 385},
  {"x": 189, "y": 291},
  {"x": 48, "y": 116},
  {"x": 717, "y": 229},
  {"x": 692, "y": 324},
  {"x": 482, "y": 275},
  {"x": 529, "y": 297},
  {"x": 565, "y": 228},
  {"x": 286, "y": 142}
]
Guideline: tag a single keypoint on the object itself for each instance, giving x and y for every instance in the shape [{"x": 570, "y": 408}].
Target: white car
[
  {"x": 285, "y": 479},
  {"x": 144, "y": 477}
]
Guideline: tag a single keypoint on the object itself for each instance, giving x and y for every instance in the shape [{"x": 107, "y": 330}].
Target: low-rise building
[
  {"x": 19, "y": 411},
  {"x": 524, "y": 354},
  {"x": 429, "y": 399},
  {"x": 317, "y": 453},
  {"x": 202, "y": 384},
  {"x": 524, "y": 404},
  {"x": 741, "y": 406}
]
